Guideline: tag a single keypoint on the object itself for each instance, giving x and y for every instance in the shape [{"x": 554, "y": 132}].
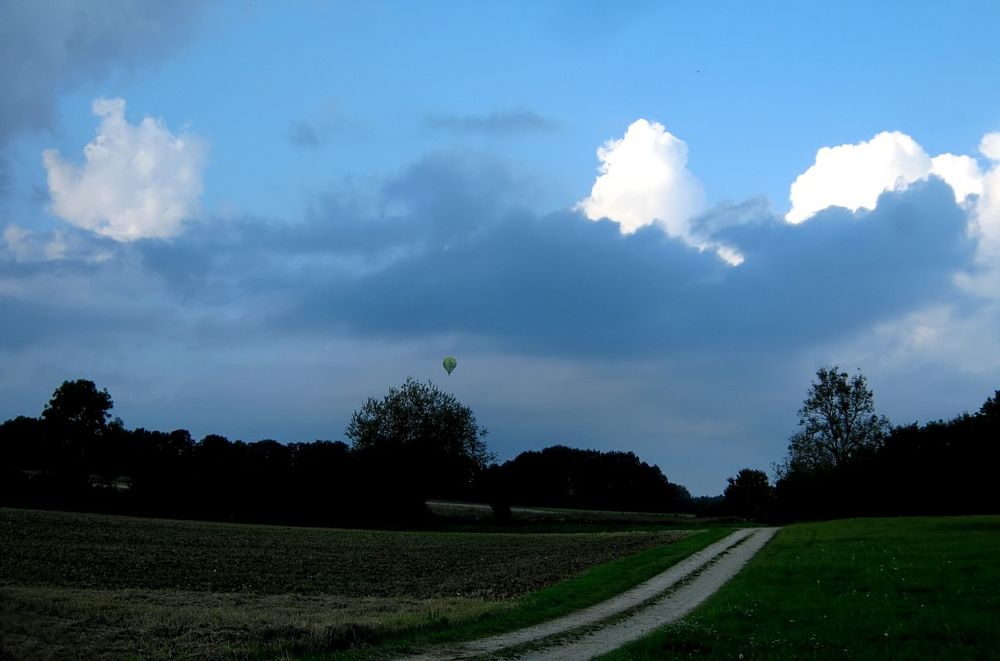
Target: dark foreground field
[
  {"x": 92, "y": 586},
  {"x": 906, "y": 588}
]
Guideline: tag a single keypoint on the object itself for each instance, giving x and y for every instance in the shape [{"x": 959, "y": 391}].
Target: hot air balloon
[{"x": 449, "y": 364}]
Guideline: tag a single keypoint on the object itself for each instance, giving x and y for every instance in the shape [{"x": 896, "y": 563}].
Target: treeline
[
  {"x": 846, "y": 460},
  {"x": 155, "y": 473},
  {"x": 418, "y": 443},
  {"x": 414, "y": 444},
  {"x": 560, "y": 476},
  {"x": 943, "y": 467}
]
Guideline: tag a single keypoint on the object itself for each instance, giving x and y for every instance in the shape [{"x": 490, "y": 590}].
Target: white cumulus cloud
[
  {"x": 644, "y": 180},
  {"x": 853, "y": 176},
  {"x": 990, "y": 146},
  {"x": 138, "y": 181},
  {"x": 962, "y": 173},
  {"x": 987, "y": 212}
]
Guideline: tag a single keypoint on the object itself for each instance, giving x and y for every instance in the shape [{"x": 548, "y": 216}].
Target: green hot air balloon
[{"x": 449, "y": 364}]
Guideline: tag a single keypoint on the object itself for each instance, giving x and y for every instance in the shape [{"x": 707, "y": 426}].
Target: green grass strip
[
  {"x": 593, "y": 586},
  {"x": 905, "y": 588}
]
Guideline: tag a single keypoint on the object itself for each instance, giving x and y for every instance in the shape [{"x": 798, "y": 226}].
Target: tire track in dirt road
[{"x": 664, "y": 598}]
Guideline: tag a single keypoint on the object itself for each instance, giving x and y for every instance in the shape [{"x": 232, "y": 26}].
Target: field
[
  {"x": 908, "y": 588},
  {"x": 550, "y": 515},
  {"x": 91, "y": 586}
]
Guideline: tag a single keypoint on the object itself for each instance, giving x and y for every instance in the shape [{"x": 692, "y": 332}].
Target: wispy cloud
[
  {"x": 506, "y": 122},
  {"x": 304, "y": 134},
  {"x": 4, "y": 177}
]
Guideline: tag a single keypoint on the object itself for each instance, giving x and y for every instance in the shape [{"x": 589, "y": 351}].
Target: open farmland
[
  {"x": 913, "y": 588},
  {"x": 525, "y": 516},
  {"x": 103, "y": 586}
]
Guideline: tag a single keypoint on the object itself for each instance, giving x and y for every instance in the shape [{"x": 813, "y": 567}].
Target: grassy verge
[
  {"x": 593, "y": 586},
  {"x": 913, "y": 588},
  {"x": 118, "y": 587}
]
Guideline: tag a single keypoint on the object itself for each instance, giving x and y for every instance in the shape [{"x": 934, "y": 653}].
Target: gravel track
[{"x": 664, "y": 598}]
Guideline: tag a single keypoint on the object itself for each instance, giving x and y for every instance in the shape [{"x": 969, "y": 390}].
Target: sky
[{"x": 638, "y": 226}]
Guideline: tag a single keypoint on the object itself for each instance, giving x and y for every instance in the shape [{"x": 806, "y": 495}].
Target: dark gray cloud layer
[
  {"x": 563, "y": 284},
  {"x": 455, "y": 255},
  {"x": 45, "y": 48},
  {"x": 450, "y": 252}
]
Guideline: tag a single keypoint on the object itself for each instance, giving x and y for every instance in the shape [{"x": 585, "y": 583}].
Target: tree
[
  {"x": 421, "y": 440},
  {"x": 19, "y": 444},
  {"x": 76, "y": 419},
  {"x": 991, "y": 407},
  {"x": 749, "y": 494},
  {"x": 837, "y": 422},
  {"x": 79, "y": 405}
]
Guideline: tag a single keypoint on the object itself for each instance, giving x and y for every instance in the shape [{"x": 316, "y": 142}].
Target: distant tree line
[
  {"x": 560, "y": 476},
  {"x": 846, "y": 460},
  {"x": 417, "y": 443},
  {"x": 413, "y": 444}
]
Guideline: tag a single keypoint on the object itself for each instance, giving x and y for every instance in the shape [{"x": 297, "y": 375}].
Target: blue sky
[{"x": 638, "y": 226}]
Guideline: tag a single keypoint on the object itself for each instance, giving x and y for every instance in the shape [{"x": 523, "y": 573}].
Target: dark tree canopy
[
  {"x": 79, "y": 405},
  {"x": 561, "y": 476},
  {"x": 426, "y": 440},
  {"x": 837, "y": 421},
  {"x": 749, "y": 494},
  {"x": 417, "y": 442},
  {"x": 991, "y": 407}
]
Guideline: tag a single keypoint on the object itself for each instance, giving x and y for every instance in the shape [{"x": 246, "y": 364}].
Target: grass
[
  {"x": 99, "y": 586},
  {"x": 907, "y": 588},
  {"x": 593, "y": 586}
]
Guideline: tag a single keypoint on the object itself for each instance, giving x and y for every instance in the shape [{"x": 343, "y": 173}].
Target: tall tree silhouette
[
  {"x": 837, "y": 422},
  {"x": 418, "y": 442},
  {"x": 75, "y": 419},
  {"x": 79, "y": 406}
]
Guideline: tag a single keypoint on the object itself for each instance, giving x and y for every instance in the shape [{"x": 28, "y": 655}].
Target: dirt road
[{"x": 610, "y": 624}]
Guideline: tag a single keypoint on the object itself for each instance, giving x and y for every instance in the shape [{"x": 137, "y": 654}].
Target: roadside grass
[
  {"x": 121, "y": 587},
  {"x": 905, "y": 588},
  {"x": 593, "y": 586}
]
